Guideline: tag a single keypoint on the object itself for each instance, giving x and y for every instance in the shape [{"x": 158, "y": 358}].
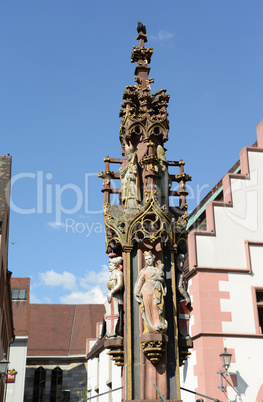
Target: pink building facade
[
  {"x": 6, "y": 316},
  {"x": 226, "y": 284}
]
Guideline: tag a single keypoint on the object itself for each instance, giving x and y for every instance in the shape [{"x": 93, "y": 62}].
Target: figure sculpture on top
[
  {"x": 114, "y": 302},
  {"x": 130, "y": 180},
  {"x": 149, "y": 291},
  {"x": 163, "y": 179}
]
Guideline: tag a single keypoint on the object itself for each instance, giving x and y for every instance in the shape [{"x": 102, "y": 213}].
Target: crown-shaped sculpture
[{"x": 143, "y": 113}]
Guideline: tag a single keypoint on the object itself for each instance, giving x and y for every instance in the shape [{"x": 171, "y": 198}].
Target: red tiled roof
[
  {"x": 21, "y": 307},
  {"x": 62, "y": 329}
]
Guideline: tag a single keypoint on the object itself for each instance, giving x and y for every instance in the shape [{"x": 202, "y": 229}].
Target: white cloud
[
  {"x": 163, "y": 35},
  {"x": 46, "y": 299},
  {"x": 92, "y": 277},
  {"x": 94, "y": 296},
  {"x": 34, "y": 299},
  {"x": 52, "y": 278},
  {"x": 93, "y": 285},
  {"x": 56, "y": 225}
]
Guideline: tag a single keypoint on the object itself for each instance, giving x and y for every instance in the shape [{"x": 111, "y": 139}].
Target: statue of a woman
[
  {"x": 149, "y": 291},
  {"x": 114, "y": 302},
  {"x": 130, "y": 180}
]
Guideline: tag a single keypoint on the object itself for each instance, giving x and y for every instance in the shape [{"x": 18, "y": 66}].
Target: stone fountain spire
[
  {"x": 149, "y": 236},
  {"x": 142, "y": 56}
]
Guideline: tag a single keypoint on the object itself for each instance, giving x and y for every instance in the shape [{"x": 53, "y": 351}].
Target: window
[
  {"x": 39, "y": 385},
  {"x": 56, "y": 385},
  {"x": 259, "y": 296},
  {"x": 65, "y": 395},
  {"x": 18, "y": 294}
]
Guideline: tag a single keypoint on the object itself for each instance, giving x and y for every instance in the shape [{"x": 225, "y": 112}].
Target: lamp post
[
  {"x": 3, "y": 367},
  {"x": 226, "y": 360}
]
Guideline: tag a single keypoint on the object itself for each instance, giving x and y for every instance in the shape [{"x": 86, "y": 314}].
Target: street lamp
[
  {"x": 226, "y": 360},
  {"x": 3, "y": 367}
]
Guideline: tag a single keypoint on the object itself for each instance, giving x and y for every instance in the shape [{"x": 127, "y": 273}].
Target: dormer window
[{"x": 18, "y": 294}]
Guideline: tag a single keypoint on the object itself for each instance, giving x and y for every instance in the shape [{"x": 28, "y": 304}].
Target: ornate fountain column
[{"x": 149, "y": 236}]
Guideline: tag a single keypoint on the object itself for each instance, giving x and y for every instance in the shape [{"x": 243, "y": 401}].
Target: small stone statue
[
  {"x": 149, "y": 291},
  {"x": 114, "y": 302},
  {"x": 184, "y": 302},
  {"x": 130, "y": 180},
  {"x": 181, "y": 280}
]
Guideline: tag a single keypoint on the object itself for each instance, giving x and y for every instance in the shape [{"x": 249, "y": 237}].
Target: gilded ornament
[
  {"x": 117, "y": 355},
  {"x": 185, "y": 207},
  {"x": 106, "y": 182},
  {"x": 154, "y": 350},
  {"x": 108, "y": 215},
  {"x": 139, "y": 82},
  {"x": 105, "y": 173},
  {"x": 181, "y": 223},
  {"x": 153, "y": 238},
  {"x": 182, "y": 176},
  {"x": 148, "y": 82},
  {"x": 106, "y": 206}
]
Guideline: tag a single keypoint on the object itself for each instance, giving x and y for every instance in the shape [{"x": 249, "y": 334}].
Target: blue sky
[{"x": 64, "y": 66}]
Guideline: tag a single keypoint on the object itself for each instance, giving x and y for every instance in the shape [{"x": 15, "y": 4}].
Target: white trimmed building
[
  {"x": 226, "y": 284},
  {"x": 104, "y": 377}
]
